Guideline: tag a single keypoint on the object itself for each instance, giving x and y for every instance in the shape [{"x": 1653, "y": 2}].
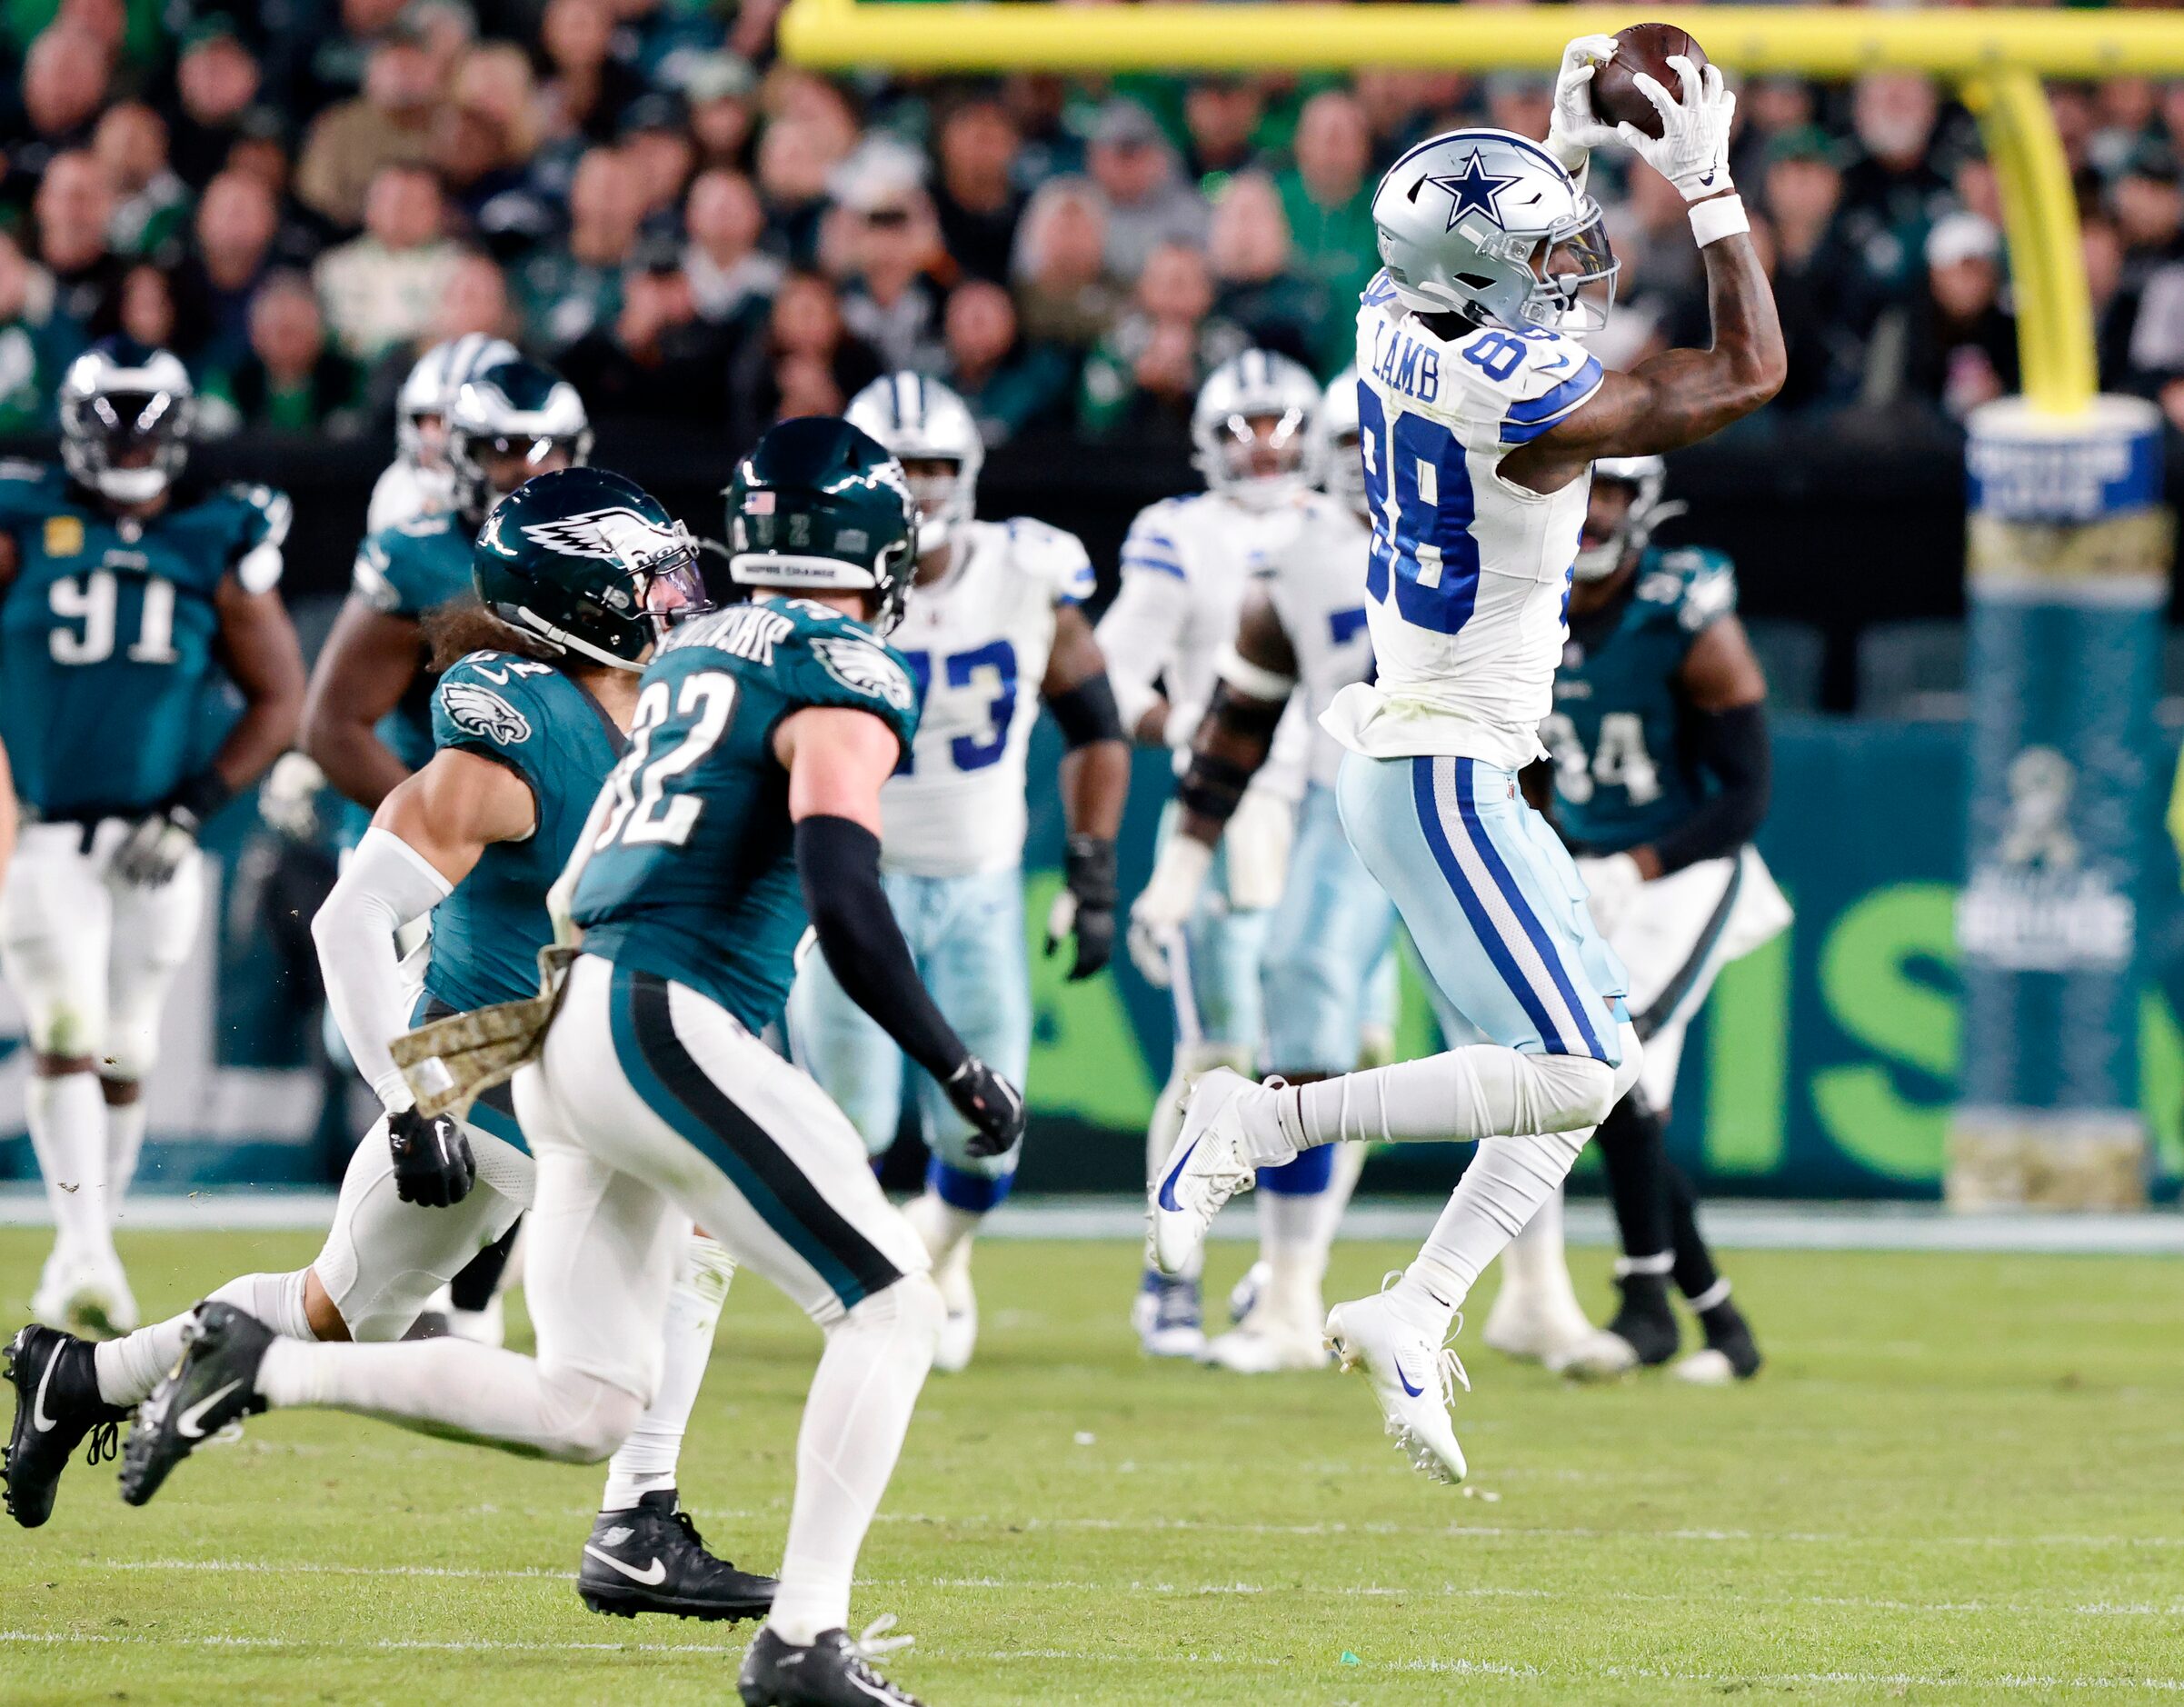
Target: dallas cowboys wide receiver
[
  {"x": 1185, "y": 565},
  {"x": 762, "y": 736},
  {"x": 578, "y": 572},
  {"x": 1661, "y": 765},
  {"x": 1302, "y": 624},
  {"x": 132, "y": 599},
  {"x": 419, "y": 481},
  {"x": 993, "y": 628},
  {"x": 1482, "y": 418}
]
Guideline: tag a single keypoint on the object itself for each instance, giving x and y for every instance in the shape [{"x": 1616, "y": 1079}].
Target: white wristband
[{"x": 1723, "y": 216}]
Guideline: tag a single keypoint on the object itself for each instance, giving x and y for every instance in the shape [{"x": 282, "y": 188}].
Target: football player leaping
[
  {"x": 130, "y": 596},
  {"x": 1481, "y": 417},
  {"x": 750, "y": 796},
  {"x": 1659, "y": 743},
  {"x": 580, "y": 569},
  {"x": 1302, "y": 623},
  {"x": 1185, "y": 566},
  {"x": 993, "y": 628}
]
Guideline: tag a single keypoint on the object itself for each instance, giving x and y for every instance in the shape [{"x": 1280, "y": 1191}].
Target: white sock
[
  {"x": 645, "y": 1462},
  {"x": 67, "y": 1120},
  {"x": 1480, "y": 1091},
  {"x": 125, "y": 1143},
  {"x": 1289, "y": 1243},
  {"x": 497, "y": 1397},
  {"x": 859, "y": 1410},
  {"x": 1507, "y": 1182},
  {"x": 941, "y": 1224},
  {"x": 131, "y": 1366}
]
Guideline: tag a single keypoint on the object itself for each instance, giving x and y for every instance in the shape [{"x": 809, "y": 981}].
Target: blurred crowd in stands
[{"x": 298, "y": 196}]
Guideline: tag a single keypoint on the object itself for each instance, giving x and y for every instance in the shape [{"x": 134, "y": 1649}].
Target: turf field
[{"x": 1961, "y": 1480}]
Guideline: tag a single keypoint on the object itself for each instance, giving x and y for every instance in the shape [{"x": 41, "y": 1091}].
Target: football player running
[
  {"x": 1481, "y": 417},
  {"x": 131, "y": 598},
  {"x": 419, "y": 481},
  {"x": 576, "y": 576},
  {"x": 1660, "y": 767},
  {"x": 995, "y": 611},
  {"x": 749, "y": 802},
  {"x": 1301, "y": 624},
  {"x": 1185, "y": 566}
]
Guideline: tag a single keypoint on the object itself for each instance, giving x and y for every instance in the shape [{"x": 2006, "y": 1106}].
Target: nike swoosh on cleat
[
  {"x": 38, "y": 1418},
  {"x": 651, "y": 1577},
  {"x": 1403, "y": 1381},
  {"x": 1167, "y": 1197},
  {"x": 189, "y": 1424}
]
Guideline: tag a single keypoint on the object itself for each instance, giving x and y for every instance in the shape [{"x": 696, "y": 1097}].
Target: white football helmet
[
  {"x": 1600, "y": 557},
  {"x": 1256, "y": 386},
  {"x": 127, "y": 412},
  {"x": 921, "y": 419},
  {"x": 1486, "y": 224},
  {"x": 431, "y": 386},
  {"x": 1338, "y": 456},
  {"x": 512, "y": 406}
]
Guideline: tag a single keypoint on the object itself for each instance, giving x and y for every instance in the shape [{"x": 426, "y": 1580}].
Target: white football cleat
[
  {"x": 87, "y": 1296},
  {"x": 1206, "y": 1168},
  {"x": 1244, "y": 1296},
  {"x": 1529, "y": 1323},
  {"x": 959, "y": 1330},
  {"x": 1413, "y": 1379},
  {"x": 1260, "y": 1347},
  {"x": 1598, "y": 1356},
  {"x": 1167, "y": 1317},
  {"x": 1705, "y": 1368}
]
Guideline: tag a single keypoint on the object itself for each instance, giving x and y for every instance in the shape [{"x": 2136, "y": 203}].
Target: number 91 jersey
[
  {"x": 1467, "y": 586},
  {"x": 977, "y": 643},
  {"x": 109, "y": 685}
]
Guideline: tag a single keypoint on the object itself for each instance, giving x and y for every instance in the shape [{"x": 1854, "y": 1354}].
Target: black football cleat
[
  {"x": 1644, "y": 1335},
  {"x": 56, "y": 1405},
  {"x": 214, "y": 1384},
  {"x": 834, "y": 1672},
  {"x": 1730, "y": 1354},
  {"x": 652, "y": 1559}
]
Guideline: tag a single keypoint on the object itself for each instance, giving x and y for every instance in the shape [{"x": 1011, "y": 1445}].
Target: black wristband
[
  {"x": 1087, "y": 712},
  {"x": 201, "y": 795},
  {"x": 838, "y": 865}
]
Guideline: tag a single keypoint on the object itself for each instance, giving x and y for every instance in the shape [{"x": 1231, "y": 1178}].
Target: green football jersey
[
  {"x": 110, "y": 689},
  {"x": 407, "y": 570},
  {"x": 1622, "y": 775},
  {"x": 693, "y": 874}
]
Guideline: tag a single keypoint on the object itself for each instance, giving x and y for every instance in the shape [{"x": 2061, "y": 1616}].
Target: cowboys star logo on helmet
[
  {"x": 616, "y": 534},
  {"x": 863, "y": 668},
  {"x": 1474, "y": 188},
  {"x": 479, "y": 711}
]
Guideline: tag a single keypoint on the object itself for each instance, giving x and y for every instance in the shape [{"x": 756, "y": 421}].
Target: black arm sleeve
[
  {"x": 1087, "y": 712},
  {"x": 1731, "y": 744},
  {"x": 838, "y": 862}
]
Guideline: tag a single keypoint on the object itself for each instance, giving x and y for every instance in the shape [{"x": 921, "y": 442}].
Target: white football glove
[
  {"x": 1576, "y": 130},
  {"x": 1168, "y": 899},
  {"x": 1611, "y": 884},
  {"x": 155, "y": 847},
  {"x": 288, "y": 797},
  {"x": 1693, "y": 151}
]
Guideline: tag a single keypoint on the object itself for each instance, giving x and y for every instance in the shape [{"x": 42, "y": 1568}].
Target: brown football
[{"x": 1643, "y": 47}]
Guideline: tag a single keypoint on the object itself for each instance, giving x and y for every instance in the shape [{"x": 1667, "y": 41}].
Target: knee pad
[
  {"x": 586, "y": 1419},
  {"x": 1559, "y": 1093},
  {"x": 913, "y": 1303},
  {"x": 1633, "y": 1065}
]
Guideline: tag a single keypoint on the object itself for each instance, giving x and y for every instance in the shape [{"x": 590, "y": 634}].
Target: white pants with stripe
[
  {"x": 89, "y": 957},
  {"x": 652, "y": 1107}
]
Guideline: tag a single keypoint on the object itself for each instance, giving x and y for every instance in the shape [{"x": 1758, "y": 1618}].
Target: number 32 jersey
[
  {"x": 977, "y": 643},
  {"x": 1468, "y": 582}
]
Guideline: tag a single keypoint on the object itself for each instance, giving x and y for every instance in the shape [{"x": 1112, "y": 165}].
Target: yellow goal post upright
[{"x": 2068, "y": 548}]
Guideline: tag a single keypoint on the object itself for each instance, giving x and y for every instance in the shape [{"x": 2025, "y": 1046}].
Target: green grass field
[{"x": 1961, "y": 1479}]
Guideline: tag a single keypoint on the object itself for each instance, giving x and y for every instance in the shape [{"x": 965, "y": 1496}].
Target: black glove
[
  {"x": 988, "y": 1102},
  {"x": 1085, "y": 909},
  {"x": 432, "y": 1158}
]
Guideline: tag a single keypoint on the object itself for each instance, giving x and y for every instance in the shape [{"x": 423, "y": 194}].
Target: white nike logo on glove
[
  {"x": 651, "y": 1577},
  {"x": 38, "y": 1418},
  {"x": 190, "y": 1424}
]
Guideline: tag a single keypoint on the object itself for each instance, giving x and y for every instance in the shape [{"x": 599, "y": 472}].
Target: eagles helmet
[
  {"x": 590, "y": 563},
  {"x": 1336, "y": 436},
  {"x": 431, "y": 386},
  {"x": 920, "y": 420},
  {"x": 510, "y": 411},
  {"x": 819, "y": 506},
  {"x": 1231, "y": 452},
  {"x": 127, "y": 412},
  {"x": 1600, "y": 555},
  {"x": 1486, "y": 225}
]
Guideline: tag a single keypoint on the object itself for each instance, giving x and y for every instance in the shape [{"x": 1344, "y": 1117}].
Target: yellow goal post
[{"x": 1995, "y": 56}]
